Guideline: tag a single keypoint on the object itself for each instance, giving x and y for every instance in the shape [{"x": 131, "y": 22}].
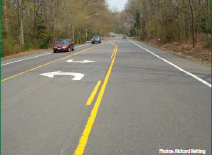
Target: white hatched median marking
[{"x": 186, "y": 72}]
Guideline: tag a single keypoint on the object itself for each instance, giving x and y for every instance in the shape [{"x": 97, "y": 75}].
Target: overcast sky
[{"x": 119, "y": 4}]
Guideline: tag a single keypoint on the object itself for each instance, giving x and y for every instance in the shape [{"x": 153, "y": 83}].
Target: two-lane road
[{"x": 141, "y": 100}]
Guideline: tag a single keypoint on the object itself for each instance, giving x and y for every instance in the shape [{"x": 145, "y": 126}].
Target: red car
[{"x": 64, "y": 45}]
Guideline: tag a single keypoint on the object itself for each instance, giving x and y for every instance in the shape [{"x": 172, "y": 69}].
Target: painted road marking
[
  {"x": 51, "y": 62},
  {"x": 84, "y": 138},
  {"x": 114, "y": 52},
  {"x": 25, "y": 59},
  {"x": 93, "y": 94},
  {"x": 186, "y": 72},
  {"x": 83, "y": 62},
  {"x": 77, "y": 76},
  {"x": 47, "y": 53},
  {"x": 81, "y": 46},
  {"x": 112, "y": 55}
]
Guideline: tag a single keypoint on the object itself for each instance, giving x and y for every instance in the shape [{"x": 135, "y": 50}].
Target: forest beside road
[
  {"x": 184, "y": 25},
  {"x": 28, "y": 24}
]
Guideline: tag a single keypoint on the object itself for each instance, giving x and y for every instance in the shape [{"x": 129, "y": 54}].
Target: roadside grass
[
  {"x": 10, "y": 47},
  {"x": 25, "y": 53}
]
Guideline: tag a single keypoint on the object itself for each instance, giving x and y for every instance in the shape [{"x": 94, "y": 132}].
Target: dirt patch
[{"x": 197, "y": 54}]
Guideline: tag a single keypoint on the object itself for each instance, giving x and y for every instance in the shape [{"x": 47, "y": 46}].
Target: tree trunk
[
  {"x": 179, "y": 29},
  {"x": 54, "y": 38},
  {"x": 192, "y": 23},
  {"x": 187, "y": 28},
  {"x": 21, "y": 24},
  {"x": 6, "y": 17},
  {"x": 21, "y": 33},
  {"x": 73, "y": 32},
  {"x": 34, "y": 14}
]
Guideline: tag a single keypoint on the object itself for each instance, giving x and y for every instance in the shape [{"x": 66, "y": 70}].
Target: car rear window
[{"x": 63, "y": 41}]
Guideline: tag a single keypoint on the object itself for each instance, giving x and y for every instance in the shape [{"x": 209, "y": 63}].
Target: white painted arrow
[
  {"x": 77, "y": 76},
  {"x": 83, "y": 62}
]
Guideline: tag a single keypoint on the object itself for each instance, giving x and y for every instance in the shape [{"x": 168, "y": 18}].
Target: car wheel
[
  {"x": 73, "y": 49},
  {"x": 55, "y": 51}
]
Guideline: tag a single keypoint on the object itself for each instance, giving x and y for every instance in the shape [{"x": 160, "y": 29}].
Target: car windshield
[
  {"x": 63, "y": 41},
  {"x": 96, "y": 37}
]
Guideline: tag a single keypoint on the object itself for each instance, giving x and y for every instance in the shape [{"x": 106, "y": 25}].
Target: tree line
[
  {"x": 27, "y": 24},
  {"x": 185, "y": 21}
]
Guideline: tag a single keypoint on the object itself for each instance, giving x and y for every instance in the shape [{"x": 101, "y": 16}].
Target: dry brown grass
[{"x": 200, "y": 53}]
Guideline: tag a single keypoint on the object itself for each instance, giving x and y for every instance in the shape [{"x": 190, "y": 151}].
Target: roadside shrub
[
  {"x": 142, "y": 37},
  {"x": 132, "y": 31},
  {"x": 27, "y": 46},
  {"x": 43, "y": 35},
  {"x": 9, "y": 46},
  {"x": 4, "y": 34},
  {"x": 16, "y": 49},
  {"x": 207, "y": 43},
  {"x": 45, "y": 40},
  {"x": 6, "y": 48}
]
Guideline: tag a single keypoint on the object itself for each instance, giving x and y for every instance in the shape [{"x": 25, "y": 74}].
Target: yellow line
[
  {"x": 114, "y": 52},
  {"x": 50, "y": 63},
  {"x": 112, "y": 55},
  {"x": 93, "y": 94},
  {"x": 84, "y": 138},
  {"x": 112, "y": 43}
]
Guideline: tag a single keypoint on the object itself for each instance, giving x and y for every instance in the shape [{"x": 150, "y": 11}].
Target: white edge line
[
  {"x": 33, "y": 57},
  {"x": 25, "y": 59},
  {"x": 186, "y": 72}
]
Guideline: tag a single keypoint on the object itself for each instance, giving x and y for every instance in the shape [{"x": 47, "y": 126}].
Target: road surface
[{"x": 121, "y": 97}]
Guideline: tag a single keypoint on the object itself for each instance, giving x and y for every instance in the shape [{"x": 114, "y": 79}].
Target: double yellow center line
[
  {"x": 93, "y": 94},
  {"x": 84, "y": 138}
]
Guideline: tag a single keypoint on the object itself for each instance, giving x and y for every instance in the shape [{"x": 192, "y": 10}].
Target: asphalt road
[{"x": 147, "y": 100}]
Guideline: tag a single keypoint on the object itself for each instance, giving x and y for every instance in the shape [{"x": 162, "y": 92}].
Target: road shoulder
[{"x": 173, "y": 50}]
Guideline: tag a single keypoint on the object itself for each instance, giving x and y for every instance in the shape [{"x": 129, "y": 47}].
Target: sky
[{"x": 119, "y": 4}]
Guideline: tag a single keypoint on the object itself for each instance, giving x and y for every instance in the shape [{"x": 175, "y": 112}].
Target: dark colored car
[
  {"x": 96, "y": 39},
  {"x": 64, "y": 45}
]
